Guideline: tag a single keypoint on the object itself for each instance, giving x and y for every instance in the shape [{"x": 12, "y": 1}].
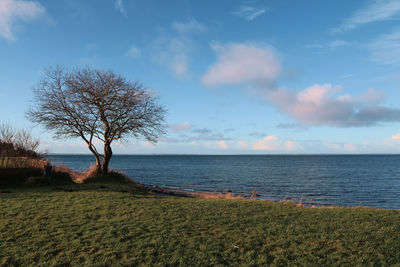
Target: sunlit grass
[{"x": 112, "y": 223}]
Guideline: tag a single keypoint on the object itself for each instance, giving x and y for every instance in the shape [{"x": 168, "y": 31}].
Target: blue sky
[{"x": 237, "y": 77}]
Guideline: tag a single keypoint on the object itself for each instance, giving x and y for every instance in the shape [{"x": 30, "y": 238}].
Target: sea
[{"x": 319, "y": 180}]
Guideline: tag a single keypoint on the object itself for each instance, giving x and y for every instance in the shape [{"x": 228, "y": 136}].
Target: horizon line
[{"x": 200, "y": 154}]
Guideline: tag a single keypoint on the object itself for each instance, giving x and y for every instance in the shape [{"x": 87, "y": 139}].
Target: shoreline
[
  {"x": 191, "y": 193},
  {"x": 168, "y": 191}
]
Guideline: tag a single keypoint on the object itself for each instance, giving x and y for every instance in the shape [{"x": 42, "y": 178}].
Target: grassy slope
[{"x": 97, "y": 224}]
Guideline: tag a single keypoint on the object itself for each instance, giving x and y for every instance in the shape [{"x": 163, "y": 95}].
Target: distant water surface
[{"x": 339, "y": 180}]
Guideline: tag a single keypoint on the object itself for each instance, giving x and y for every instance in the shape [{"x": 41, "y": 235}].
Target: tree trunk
[
  {"x": 106, "y": 158},
  {"x": 98, "y": 164},
  {"x": 97, "y": 156}
]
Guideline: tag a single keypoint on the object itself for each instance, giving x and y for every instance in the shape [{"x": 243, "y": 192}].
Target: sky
[{"x": 236, "y": 77}]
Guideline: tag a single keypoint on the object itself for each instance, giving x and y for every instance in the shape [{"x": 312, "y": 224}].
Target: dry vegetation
[
  {"x": 22, "y": 163},
  {"x": 18, "y": 149}
]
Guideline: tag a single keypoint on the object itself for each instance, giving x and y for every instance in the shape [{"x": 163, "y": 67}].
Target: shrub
[
  {"x": 17, "y": 176},
  {"x": 60, "y": 177},
  {"x": 114, "y": 176},
  {"x": 18, "y": 149}
]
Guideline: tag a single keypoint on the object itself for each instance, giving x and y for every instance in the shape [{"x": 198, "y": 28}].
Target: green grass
[{"x": 110, "y": 223}]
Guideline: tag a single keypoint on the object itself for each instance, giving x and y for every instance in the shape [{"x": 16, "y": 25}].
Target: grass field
[{"x": 110, "y": 223}]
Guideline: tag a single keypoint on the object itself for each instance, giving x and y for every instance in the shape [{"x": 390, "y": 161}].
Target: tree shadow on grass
[{"x": 32, "y": 180}]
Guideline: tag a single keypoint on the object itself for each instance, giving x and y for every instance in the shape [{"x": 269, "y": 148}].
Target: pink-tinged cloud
[
  {"x": 340, "y": 147},
  {"x": 241, "y": 144},
  {"x": 13, "y": 11},
  {"x": 222, "y": 144},
  {"x": 321, "y": 105},
  {"x": 290, "y": 145},
  {"x": 396, "y": 136},
  {"x": 243, "y": 63},
  {"x": 350, "y": 147},
  {"x": 268, "y": 143},
  {"x": 185, "y": 126}
]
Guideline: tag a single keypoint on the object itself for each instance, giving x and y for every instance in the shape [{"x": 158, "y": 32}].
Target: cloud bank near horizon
[{"x": 324, "y": 105}]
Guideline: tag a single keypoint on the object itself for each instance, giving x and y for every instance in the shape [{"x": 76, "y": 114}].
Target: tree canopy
[{"x": 95, "y": 104}]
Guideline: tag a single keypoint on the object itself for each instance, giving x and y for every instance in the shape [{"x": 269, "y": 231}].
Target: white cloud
[
  {"x": 346, "y": 76},
  {"x": 332, "y": 45},
  {"x": 386, "y": 48},
  {"x": 133, "y": 52},
  {"x": 188, "y": 26},
  {"x": 338, "y": 43},
  {"x": 321, "y": 105},
  {"x": 173, "y": 49},
  {"x": 179, "y": 64},
  {"x": 315, "y": 45},
  {"x": 185, "y": 126},
  {"x": 243, "y": 63},
  {"x": 13, "y": 11},
  {"x": 119, "y": 6},
  {"x": 173, "y": 53},
  {"x": 375, "y": 11},
  {"x": 249, "y": 12}
]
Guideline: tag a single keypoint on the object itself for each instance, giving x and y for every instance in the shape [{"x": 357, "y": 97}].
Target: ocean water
[{"x": 339, "y": 180}]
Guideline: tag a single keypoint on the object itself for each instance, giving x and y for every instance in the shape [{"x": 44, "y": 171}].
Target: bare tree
[
  {"x": 94, "y": 104},
  {"x": 21, "y": 141},
  {"x": 24, "y": 141},
  {"x": 17, "y": 147},
  {"x": 7, "y": 133}
]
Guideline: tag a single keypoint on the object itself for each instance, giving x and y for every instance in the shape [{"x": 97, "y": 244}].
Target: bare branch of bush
[
  {"x": 17, "y": 147},
  {"x": 7, "y": 133}
]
